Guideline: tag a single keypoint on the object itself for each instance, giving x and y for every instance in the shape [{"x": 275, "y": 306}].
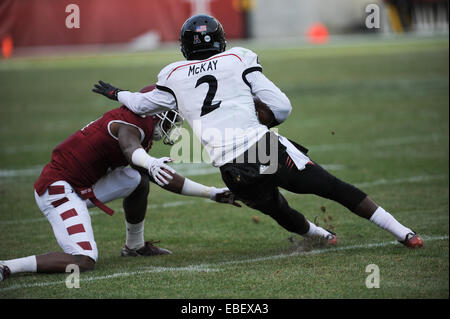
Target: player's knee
[
  {"x": 144, "y": 184},
  {"x": 135, "y": 181},
  {"x": 85, "y": 263}
]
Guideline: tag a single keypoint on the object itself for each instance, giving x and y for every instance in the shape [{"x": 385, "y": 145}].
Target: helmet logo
[
  {"x": 207, "y": 38},
  {"x": 196, "y": 39},
  {"x": 200, "y": 28}
]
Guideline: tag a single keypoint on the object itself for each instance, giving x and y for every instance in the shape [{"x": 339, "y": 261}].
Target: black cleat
[
  {"x": 147, "y": 250},
  {"x": 4, "y": 272}
]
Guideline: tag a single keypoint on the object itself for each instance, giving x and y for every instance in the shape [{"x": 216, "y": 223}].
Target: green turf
[{"x": 375, "y": 112}]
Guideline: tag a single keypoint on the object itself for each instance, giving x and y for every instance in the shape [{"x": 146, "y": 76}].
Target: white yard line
[
  {"x": 385, "y": 142},
  {"x": 97, "y": 212},
  {"x": 214, "y": 267},
  {"x": 31, "y": 171},
  {"x": 185, "y": 169},
  {"x": 394, "y": 141},
  {"x": 413, "y": 179},
  {"x": 316, "y": 252},
  {"x": 198, "y": 169},
  {"x": 115, "y": 275}
]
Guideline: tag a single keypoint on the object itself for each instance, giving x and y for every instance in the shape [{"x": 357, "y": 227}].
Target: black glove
[
  {"x": 107, "y": 90},
  {"x": 224, "y": 195}
]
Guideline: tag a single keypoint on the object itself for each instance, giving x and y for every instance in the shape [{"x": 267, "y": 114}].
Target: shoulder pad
[
  {"x": 248, "y": 57},
  {"x": 166, "y": 71}
]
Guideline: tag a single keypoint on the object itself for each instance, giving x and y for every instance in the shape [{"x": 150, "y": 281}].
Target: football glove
[
  {"x": 106, "y": 89},
  {"x": 223, "y": 195},
  {"x": 157, "y": 169}
]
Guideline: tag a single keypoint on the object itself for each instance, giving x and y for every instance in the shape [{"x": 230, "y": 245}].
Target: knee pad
[
  {"x": 119, "y": 183},
  {"x": 131, "y": 178}
]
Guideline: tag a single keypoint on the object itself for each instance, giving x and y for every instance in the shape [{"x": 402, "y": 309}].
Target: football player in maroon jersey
[{"x": 91, "y": 167}]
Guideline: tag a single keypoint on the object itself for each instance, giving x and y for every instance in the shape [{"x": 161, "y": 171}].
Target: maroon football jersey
[{"x": 84, "y": 157}]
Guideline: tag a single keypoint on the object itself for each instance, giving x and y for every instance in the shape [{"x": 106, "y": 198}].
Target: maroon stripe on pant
[
  {"x": 55, "y": 190},
  {"x": 75, "y": 229},
  {"x": 69, "y": 213},
  {"x": 85, "y": 245},
  {"x": 59, "y": 202}
]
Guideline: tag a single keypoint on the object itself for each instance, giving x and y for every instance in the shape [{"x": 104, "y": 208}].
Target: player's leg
[
  {"x": 71, "y": 224},
  {"x": 52, "y": 262},
  {"x": 258, "y": 191},
  {"x": 133, "y": 186},
  {"x": 314, "y": 179}
]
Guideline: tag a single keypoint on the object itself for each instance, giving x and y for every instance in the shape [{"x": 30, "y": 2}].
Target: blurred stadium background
[{"x": 29, "y": 27}]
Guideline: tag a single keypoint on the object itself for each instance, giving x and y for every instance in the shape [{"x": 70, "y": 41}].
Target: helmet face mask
[
  {"x": 201, "y": 37},
  {"x": 168, "y": 127}
]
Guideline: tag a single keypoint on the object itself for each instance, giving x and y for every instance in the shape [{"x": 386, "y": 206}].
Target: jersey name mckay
[{"x": 202, "y": 67}]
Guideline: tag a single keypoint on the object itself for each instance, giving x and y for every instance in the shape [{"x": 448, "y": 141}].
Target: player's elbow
[
  {"x": 137, "y": 99},
  {"x": 284, "y": 110},
  {"x": 132, "y": 100}
]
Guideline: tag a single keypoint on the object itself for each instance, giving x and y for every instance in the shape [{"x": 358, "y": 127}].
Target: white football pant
[{"x": 68, "y": 213}]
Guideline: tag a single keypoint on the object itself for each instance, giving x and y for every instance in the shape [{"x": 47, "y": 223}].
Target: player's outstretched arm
[
  {"x": 184, "y": 186},
  {"x": 141, "y": 103},
  {"x": 162, "y": 174}
]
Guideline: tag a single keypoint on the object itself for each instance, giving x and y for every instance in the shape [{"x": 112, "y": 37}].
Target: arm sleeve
[
  {"x": 262, "y": 87},
  {"x": 270, "y": 94},
  {"x": 148, "y": 103}
]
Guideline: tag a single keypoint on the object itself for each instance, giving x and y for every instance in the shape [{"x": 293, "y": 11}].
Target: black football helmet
[{"x": 201, "y": 37}]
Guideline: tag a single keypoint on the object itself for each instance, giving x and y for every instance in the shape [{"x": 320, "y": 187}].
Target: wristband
[
  {"x": 191, "y": 188},
  {"x": 141, "y": 158}
]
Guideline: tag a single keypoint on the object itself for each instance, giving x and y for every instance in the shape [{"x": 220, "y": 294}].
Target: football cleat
[
  {"x": 412, "y": 240},
  {"x": 4, "y": 272},
  {"x": 331, "y": 238},
  {"x": 147, "y": 250}
]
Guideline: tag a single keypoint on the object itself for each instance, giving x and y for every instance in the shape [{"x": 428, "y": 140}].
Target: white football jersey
[
  {"x": 212, "y": 95},
  {"x": 215, "y": 96}
]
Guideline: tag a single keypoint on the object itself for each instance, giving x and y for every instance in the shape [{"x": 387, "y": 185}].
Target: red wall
[{"x": 43, "y": 22}]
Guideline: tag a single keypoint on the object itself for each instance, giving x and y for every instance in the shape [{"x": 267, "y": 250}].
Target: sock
[
  {"x": 316, "y": 231},
  {"x": 386, "y": 221},
  {"x": 135, "y": 235},
  {"x": 25, "y": 264}
]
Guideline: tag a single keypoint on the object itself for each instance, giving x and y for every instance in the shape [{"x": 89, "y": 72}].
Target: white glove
[{"x": 156, "y": 169}]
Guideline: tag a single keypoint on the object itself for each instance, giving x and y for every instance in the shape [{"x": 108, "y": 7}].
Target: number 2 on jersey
[{"x": 207, "y": 103}]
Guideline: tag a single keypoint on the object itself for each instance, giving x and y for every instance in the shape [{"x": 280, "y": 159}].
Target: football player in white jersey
[{"x": 215, "y": 91}]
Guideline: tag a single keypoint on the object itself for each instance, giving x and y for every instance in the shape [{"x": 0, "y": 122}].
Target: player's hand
[
  {"x": 158, "y": 170},
  {"x": 223, "y": 195},
  {"x": 106, "y": 89}
]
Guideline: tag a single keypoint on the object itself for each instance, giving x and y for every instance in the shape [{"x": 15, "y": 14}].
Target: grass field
[{"x": 375, "y": 113}]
